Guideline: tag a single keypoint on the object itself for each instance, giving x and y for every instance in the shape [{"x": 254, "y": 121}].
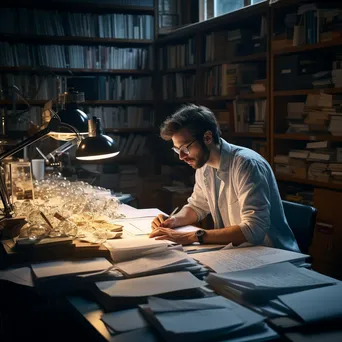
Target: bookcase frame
[{"x": 271, "y": 137}]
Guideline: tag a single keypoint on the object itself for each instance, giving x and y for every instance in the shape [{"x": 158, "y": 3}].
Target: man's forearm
[
  {"x": 223, "y": 236},
  {"x": 186, "y": 216}
]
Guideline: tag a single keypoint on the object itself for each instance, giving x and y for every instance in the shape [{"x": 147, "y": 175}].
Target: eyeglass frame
[{"x": 184, "y": 149}]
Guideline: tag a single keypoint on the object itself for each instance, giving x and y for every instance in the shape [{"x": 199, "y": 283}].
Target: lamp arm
[{"x": 53, "y": 124}]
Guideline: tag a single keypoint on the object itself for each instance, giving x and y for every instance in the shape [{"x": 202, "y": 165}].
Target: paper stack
[
  {"x": 170, "y": 260},
  {"x": 317, "y": 304},
  {"x": 135, "y": 247},
  {"x": 264, "y": 283},
  {"x": 66, "y": 275},
  {"x": 203, "y": 319},
  {"x": 127, "y": 293},
  {"x": 243, "y": 258}
]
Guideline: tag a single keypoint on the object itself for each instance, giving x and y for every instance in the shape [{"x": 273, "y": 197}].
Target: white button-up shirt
[{"x": 248, "y": 197}]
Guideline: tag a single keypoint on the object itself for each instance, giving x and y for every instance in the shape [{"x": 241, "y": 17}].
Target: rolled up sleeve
[
  {"x": 254, "y": 199},
  {"x": 198, "y": 201}
]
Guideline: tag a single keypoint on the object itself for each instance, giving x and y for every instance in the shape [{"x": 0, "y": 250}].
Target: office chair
[{"x": 301, "y": 219}]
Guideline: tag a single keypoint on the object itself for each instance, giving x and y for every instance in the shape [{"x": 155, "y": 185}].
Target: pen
[{"x": 174, "y": 212}]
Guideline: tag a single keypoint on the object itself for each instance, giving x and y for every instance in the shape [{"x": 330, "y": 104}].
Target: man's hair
[{"x": 196, "y": 119}]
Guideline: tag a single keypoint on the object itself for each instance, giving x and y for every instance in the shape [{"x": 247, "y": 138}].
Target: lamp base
[{"x": 10, "y": 227}]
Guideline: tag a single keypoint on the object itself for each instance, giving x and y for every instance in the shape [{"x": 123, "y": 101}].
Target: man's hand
[
  {"x": 164, "y": 222},
  {"x": 173, "y": 235}
]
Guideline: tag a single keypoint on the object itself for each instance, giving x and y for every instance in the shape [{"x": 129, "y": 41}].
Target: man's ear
[{"x": 208, "y": 137}]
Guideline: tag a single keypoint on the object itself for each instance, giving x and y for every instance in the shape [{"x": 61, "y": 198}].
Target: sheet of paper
[
  {"x": 317, "y": 304},
  {"x": 125, "y": 320},
  {"x": 236, "y": 259},
  {"x": 64, "y": 267},
  {"x": 199, "y": 321},
  {"x": 151, "y": 285},
  {"x": 283, "y": 275},
  {"x": 159, "y": 305},
  {"x": 137, "y": 242},
  {"x": 21, "y": 276},
  {"x": 152, "y": 262},
  {"x": 136, "y": 226},
  {"x": 131, "y": 213}
]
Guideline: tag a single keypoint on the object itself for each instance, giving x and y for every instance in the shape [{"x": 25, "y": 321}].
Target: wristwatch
[{"x": 200, "y": 234}]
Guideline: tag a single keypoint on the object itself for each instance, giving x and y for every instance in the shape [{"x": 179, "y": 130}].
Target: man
[{"x": 235, "y": 184}]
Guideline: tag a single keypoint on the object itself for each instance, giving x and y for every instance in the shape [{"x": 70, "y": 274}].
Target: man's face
[{"x": 191, "y": 151}]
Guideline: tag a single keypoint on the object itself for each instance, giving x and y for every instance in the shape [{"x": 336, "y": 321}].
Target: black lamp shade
[
  {"x": 96, "y": 148},
  {"x": 74, "y": 117}
]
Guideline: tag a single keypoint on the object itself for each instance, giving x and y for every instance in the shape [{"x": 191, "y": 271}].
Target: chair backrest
[{"x": 301, "y": 219}]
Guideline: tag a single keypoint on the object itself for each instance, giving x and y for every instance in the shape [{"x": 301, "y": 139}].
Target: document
[
  {"x": 135, "y": 247},
  {"x": 154, "y": 262},
  {"x": 136, "y": 226},
  {"x": 284, "y": 275},
  {"x": 66, "y": 267},
  {"x": 150, "y": 285},
  {"x": 21, "y": 276},
  {"x": 160, "y": 305},
  {"x": 131, "y": 213},
  {"x": 229, "y": 260},
  {"x": 201, "y": 319},
  {"x": 316, "y": 304},
  {"x": 125, "y": 320}
]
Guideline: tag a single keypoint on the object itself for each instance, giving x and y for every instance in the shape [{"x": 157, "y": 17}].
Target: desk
[{"x": 26, "y": 315}]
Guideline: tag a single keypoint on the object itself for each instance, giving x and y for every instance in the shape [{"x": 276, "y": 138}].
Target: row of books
[
  {"x": 319, "y": 113},
  {"x": 53, "y": 23},
  {"x": 230, "y": 79},
  {"x": 309, "y": 24},
  {"x": 123, "y": 117},
  {"x": 177, "y": 56},
  {"x": 319, "y": 161},
  {"x": 229, "y": 44},
  {"x": 179, "y": 85},
  {"x": 75, "y": 56}
]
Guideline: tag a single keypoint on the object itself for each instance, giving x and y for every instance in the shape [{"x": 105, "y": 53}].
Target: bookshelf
[
  {"x": 102, "y": 48},
  {"x": 105, "y": 48},
  {"x": 191, "y": 66},
  {"x": 299, "y": 57}
]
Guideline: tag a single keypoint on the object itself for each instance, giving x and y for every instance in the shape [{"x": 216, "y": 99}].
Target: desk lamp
[{"x": 104, "y": 148}]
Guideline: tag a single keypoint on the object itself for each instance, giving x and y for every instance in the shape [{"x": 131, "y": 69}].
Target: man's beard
[{"x": 203, "y": 157}]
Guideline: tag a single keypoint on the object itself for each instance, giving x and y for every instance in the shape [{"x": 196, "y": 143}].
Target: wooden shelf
[
  {"x": 90, "y": 102},
  {"x": 286, "y": 178},
  {"x": 131, "y": 130},
  {"x": 182, "y": 100},
  {"x": 308, "y": 47},
  {"x": 182, "y": 69},
  {"x": 76, "y": 70},
  {"x": 255, "y": 57},
  {"x": 251, "y": 96},
  {"x": 73, "y": 6},
  {"x": 306, "y": 91},
  {"x": 68, "y": 40},
  {"x": 307, "y": 137},
  {"x": 248, "y": 135}
]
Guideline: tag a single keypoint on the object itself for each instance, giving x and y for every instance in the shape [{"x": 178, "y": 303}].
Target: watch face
[{"x": 200, "y": 232}]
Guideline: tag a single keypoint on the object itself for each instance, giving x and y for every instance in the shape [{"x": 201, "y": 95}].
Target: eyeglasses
[{"x": 183, "y": 149}]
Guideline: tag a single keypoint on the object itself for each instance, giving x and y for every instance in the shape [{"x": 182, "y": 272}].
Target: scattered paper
[
  {"x": 316, "y": 304},
  {"x": 125, "y": 320},
  {"x": 236, "y": 259},
  {"x": 150, "y": 285},
  {"x": 64, "y": 267},
  {"x": 21, "y": 276}
]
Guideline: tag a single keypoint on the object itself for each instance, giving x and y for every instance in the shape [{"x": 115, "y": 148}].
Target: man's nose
[{"x": 182, "y": 155}]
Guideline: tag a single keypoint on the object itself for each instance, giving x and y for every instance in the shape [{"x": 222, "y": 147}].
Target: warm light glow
[
  {"x": 60, "y": 136},
  {"x": 98, "y": 157}
]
